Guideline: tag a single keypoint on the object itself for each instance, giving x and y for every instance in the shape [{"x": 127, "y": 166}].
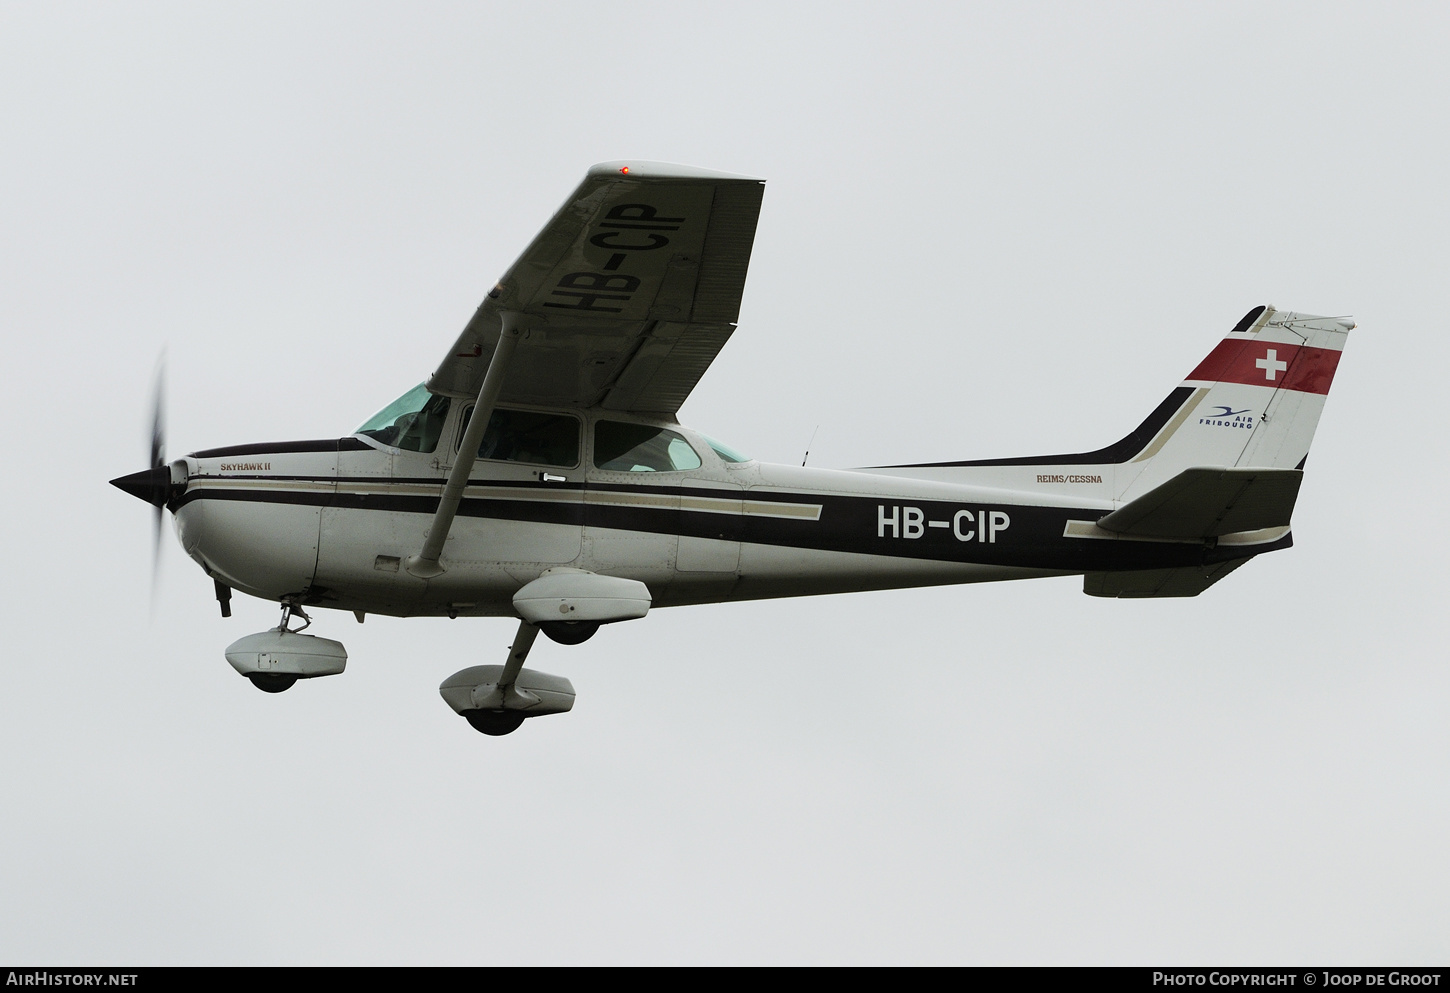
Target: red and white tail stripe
[{"x": 1283, "y": 366}]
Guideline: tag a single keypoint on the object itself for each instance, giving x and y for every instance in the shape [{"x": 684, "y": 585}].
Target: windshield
[{"x": 413, "y": 422}]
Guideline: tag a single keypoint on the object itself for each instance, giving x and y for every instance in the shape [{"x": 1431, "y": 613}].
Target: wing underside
[{"x": 627, "y": 295}]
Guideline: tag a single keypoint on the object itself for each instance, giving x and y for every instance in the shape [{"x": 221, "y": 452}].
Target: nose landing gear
[{"x": 274, "y": 660}]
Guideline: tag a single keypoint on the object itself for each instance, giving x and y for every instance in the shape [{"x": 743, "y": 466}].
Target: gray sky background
[{"x": 988, "y": 230}]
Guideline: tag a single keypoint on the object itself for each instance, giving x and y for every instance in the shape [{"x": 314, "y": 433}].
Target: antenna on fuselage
[{"x": 808, "y": 446}]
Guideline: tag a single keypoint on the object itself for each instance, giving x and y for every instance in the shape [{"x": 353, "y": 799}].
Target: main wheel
[
  {"x": 271, "y": 682},
  {"x": 494, "y": 722},
  {"x": 569, "y": 632}
]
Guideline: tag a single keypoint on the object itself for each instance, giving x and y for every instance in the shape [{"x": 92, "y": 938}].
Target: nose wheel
[{"x": 271, "y": 682}]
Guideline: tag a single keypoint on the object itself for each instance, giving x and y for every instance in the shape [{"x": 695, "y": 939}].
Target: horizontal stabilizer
[
  {"x": 1186, "y": 581},
  {"x": 1207, "y": 501}
]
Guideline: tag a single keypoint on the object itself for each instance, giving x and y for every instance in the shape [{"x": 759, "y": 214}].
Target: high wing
[{"x": 627, "y": 294}]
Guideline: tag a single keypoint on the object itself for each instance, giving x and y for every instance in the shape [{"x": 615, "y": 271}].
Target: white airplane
[{"x": 585, "y": 502}]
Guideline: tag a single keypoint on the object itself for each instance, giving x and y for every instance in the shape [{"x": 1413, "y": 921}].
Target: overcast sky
[{"x": 988, "y": 230}]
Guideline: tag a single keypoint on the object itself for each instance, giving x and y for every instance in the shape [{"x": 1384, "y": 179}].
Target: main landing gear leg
[
  {"x": 501, "y": 711},
  {"x": 496, "y": 699}
]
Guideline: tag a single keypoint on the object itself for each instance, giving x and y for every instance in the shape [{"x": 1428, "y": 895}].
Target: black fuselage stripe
[
  {"x": 285, "y": 448},
  {"x": 749, "y": 497},
  {"x": 1033, "y": 539},
  {"x": 710, "y": 493}
]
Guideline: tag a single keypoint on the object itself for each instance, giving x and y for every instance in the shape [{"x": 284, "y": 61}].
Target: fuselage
[{"x": 332, "y": 523}]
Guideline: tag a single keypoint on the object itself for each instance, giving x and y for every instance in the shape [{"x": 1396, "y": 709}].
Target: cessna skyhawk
[{"x": 541, "y": 473}]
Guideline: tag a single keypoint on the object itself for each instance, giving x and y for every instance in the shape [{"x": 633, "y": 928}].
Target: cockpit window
[
  {"x": 529, "y": 436},
  {"x": 641, "y": 448},
  {"x": 413, "y": 422},
  {"x": 726, "y": 453}
]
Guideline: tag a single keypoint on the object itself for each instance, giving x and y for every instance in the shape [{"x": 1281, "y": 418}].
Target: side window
[
  {"x": 727, "y": 454},
  {"x": 413, "y": 422},
  {"x": 529, "y": 436},
  {"x": 641, "y": 448}
]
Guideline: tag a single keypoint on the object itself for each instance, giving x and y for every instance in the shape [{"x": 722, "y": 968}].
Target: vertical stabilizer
[{"x": 1253, "y": 402}]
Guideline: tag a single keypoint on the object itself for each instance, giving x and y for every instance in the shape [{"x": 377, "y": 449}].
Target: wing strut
[{"x": 425, "y": 564}]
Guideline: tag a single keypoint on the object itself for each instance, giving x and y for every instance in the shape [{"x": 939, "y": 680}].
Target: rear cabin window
[
  {"x": 413, "y": 422},
  {"x": 641, "y": 448},
  {"x": 530, "y": 436}
]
